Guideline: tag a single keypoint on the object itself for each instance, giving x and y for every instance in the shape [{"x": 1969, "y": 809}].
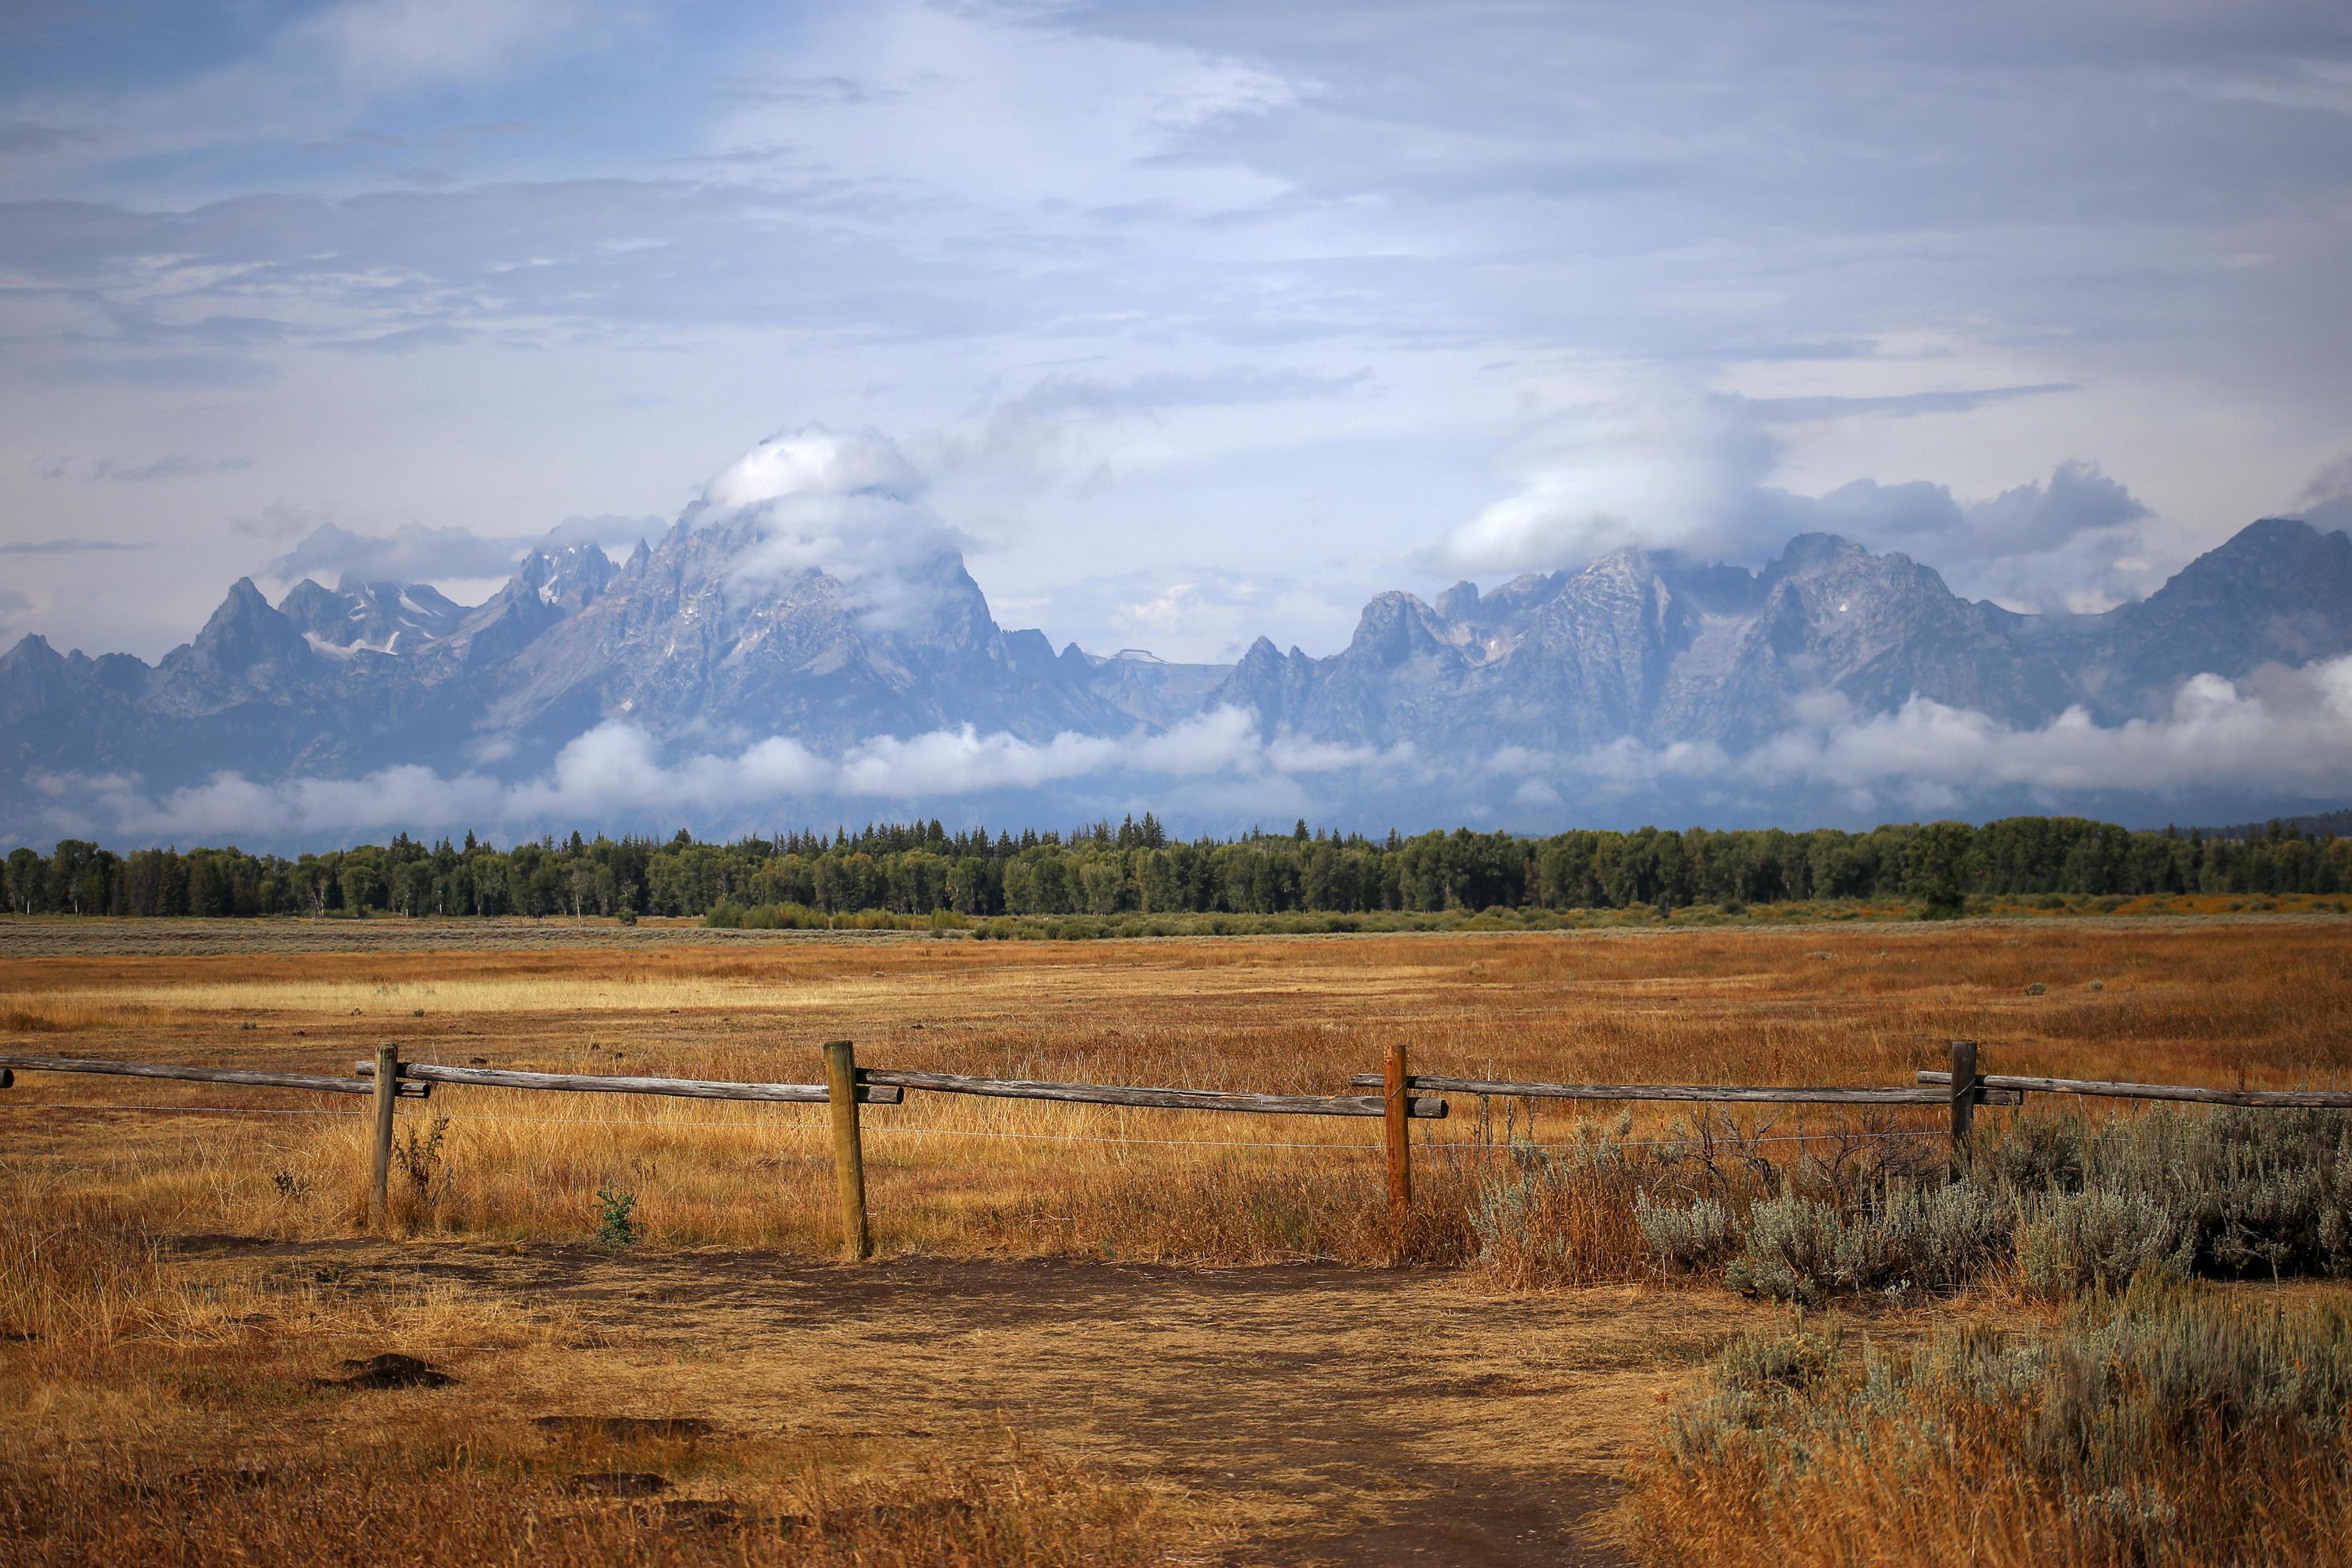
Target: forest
[{"x": 923, "y": 868}]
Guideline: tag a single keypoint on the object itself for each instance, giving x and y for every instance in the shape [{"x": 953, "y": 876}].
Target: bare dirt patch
[{"x": 1331, "y": 1414}]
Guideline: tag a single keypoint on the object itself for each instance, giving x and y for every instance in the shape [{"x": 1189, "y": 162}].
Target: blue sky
[{"x": 1200, "y": 319}]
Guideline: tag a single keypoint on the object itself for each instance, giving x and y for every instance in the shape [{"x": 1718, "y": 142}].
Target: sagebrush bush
[
  {"x": 2096, "y": 1240},
  {"x": 2064, "y": 1205},
  {"x": 2171, "y": 1425},
  {"x": 1696, "y": 1238}
]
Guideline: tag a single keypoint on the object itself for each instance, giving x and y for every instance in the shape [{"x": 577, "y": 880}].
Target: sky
[{"x": 1197, "y": 321}]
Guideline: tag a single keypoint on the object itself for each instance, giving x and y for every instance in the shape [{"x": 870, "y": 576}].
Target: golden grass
[
  {"x": 153, "y": 1377},
  {"x": 2217, "y": 1002}
]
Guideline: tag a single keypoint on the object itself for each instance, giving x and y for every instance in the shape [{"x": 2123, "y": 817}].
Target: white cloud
[
  {"x": 1671, "y": 470},
  {"x": 617, "y": 773},
  {"x": 849, "y": 505},
  {"x": 2284, "y": 732},
  {"x": 1675, "y": 470},
  {"x": 814, "y": 461}
]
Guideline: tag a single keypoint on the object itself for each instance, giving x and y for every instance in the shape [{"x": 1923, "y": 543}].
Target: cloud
[
  {"x": 20, "y": 136},
  {"x": 173, "y": 465},
  {"x": 848, "y": 504},
  {"x": 1201, "y": 614},
  {"x": 618, "y": 771},
  {"x": 1795, "y": 410},
  {"x": 67, "y": 546},
  {"x": 382, "y": 45},
  {"x": 1089, "y": 431},
  {"x": 411, "y": 554},
  {"x": 2069, "y": 543},
  {"x": 1672, "y": 470},
  {"x": 1687, "y": 472},
  {"x": 612, "y": 532},
  {"x": 2331, "y": 483},
  {"x": 814, "y": 461},
  {"x": 2281, "y": 733},
  {"x": 416, "y": 554}
]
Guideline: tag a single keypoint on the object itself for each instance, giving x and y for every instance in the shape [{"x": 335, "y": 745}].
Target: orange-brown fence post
[
  {"x": 849, "y": 1154},
  {"x": 1396, "y": 1106},
  {"x": 387, "y": 1096}
]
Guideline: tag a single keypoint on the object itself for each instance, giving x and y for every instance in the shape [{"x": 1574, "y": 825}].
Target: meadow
[{"x": 180, "y": 1275}]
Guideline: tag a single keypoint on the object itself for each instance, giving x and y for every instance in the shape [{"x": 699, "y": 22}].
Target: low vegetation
[
  {"x": 2051, "y": 1204},
  {"x": 2130, "y": 1257},
  {"x": 2172, "y": 1425}
]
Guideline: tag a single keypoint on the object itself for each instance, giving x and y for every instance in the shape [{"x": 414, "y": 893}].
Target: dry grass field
[{"x": 1093, "y": 1335}]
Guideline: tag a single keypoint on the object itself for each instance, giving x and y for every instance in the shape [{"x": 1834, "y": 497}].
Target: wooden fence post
[
  {"x": 1396, "y": 1105},
  {"x": 1965, "y": 1092},
  {"x": 848, "y": 1157},
  {"x": 387, "y": 1095}
]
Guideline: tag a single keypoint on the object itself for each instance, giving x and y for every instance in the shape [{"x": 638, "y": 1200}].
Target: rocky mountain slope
[{"x": 700, "y": 639}]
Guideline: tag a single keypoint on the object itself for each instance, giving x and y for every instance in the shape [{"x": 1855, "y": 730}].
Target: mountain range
[{"x": 687, "y": 643}]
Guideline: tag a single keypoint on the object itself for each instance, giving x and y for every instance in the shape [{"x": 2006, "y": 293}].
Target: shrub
[
  {"x": 1698, "y": 1237},
  {"x": 1790, "y": 1252},
  {"x": 2096, "y": 1240},
  {"x": 1563, "y": 1217},
  {"x": 2171, "y": 1426},
  {"x": 617, "y": 1226}
]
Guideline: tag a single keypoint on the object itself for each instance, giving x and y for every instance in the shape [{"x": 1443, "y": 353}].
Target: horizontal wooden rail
[
  {"x": 248, "y": 1077},
  {"x": 2116, "y": 1090},
  {"x": 1681, "y": 1092},
  {"x": 1422, "y": 1108},
  {"x": 604, "y": 1083}
]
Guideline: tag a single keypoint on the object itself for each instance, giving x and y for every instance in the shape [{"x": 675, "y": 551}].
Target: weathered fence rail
[
  {"x": 1422, "y": 1108},
  {"x": 1403, "y": 1097},
  {"x": 247, "y": 1078},
  {"x": 1691, "y": 1093},
  {"x": 614, "y": 1083},
  {"x": 2012, "y": 1084}
]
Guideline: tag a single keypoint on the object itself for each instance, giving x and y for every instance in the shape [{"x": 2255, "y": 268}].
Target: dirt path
[{"x": 1344, "y": 1417}]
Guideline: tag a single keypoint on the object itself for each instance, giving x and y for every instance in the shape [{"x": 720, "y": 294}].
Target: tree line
[{"x": 919, "y": 868}]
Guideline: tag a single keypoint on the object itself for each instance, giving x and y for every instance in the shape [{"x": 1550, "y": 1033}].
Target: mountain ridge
[{"x": 705, "y": 638}]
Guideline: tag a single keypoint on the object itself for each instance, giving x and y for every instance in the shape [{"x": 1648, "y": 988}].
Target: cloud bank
[
  {"x": 2288, "y": 733},
  {"x": 1669, "y": 471},
  {"x": 2285, "y": 731},
  {"x": 616, "y": 773}
]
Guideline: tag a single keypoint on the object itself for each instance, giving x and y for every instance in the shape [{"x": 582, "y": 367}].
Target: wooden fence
[{"x": 1403, "y": 1096}]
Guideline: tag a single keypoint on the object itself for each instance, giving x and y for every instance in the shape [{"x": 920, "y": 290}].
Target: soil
[{"x": 1342, "y": 1416}]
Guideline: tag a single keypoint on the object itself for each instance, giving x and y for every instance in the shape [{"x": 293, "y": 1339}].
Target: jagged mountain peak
[
  {"x": 1810, "y": 554},
  {"x": 731, "y": 625},
  {"x": 364, "y": 616}
]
